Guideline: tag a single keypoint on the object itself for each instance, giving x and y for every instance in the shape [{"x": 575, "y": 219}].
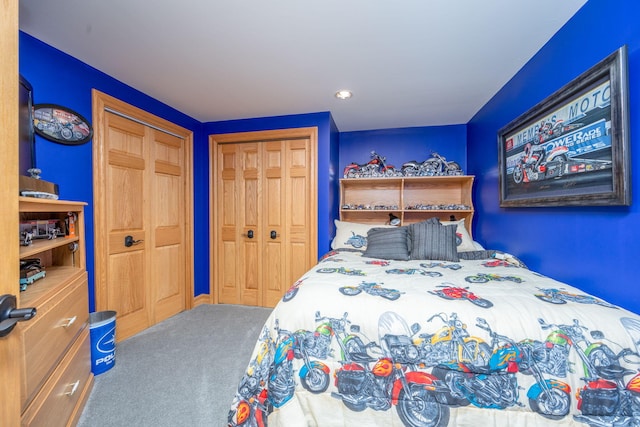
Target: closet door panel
[
  {"x": 227, "y": 211},
  {"x": 126, "y": 192},
  {"x": 168, "y": 254},
  {"x": 250, "y": 199}
]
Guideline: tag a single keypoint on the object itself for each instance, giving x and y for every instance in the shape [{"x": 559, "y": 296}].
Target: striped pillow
[
  {"x": 430, "y": 240},
  {"x": 388, "y": 243}
]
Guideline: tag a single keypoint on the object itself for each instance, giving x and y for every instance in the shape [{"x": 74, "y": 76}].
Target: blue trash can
[{"x": 102, "y": 333}]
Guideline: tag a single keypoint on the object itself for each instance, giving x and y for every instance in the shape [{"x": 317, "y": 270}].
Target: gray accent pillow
[
  {"x": 432, "y": 240},
  {"x": 387, "y": 243}
]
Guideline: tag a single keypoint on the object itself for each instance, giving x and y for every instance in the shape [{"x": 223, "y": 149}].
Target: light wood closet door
[
  {"x": 141, "y": 182},
  {"x": 265, "y": 214}
]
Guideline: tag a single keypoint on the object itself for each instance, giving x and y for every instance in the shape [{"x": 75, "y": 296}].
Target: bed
[{"x": 410, "y": 330}]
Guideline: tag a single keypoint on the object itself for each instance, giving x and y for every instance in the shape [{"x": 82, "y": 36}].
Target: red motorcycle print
[{"x": 452, "y": 292}]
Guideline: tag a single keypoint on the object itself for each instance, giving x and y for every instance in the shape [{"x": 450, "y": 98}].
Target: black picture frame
[
  {"x": 571, "y": 149},
  {"x": 60, "y": 124}
]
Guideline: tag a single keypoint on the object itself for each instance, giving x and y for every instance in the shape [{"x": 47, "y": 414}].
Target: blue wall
[
  {"x": 60, "y": 79},
  {"x": 403, "y": 145},
  {"x": 594, "y": 248}
]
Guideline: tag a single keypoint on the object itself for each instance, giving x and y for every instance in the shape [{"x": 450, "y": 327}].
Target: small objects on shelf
[
  {"x": 369, "y": 207},
  {"x": 438, "y": 207},
  {"x": 31, "y": 269}
]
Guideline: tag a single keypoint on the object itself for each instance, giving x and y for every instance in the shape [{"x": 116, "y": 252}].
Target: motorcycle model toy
[
  {"x": 434, "y": 165},
  {"x": 452, "y": 343},
  {"x": 385, "y": 381},
  {"x": 495, "y": 385},
  {"x": 485, "y": 277},
  {"x": 560, "y": 296},
  {"x": 538, "y": 165},
  {"x": 376, "y": 167},
  {"x": 457, "y": 293},
  {"x": 371, "y": 288}
]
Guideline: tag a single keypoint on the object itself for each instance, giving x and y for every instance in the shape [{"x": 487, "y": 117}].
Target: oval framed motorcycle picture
[{"x": 60, "y": 124}]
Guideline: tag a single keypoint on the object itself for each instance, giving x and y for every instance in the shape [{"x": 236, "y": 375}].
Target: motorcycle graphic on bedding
[
  {"x": 486, "y": 277},
  {"x": 412, "y": 271},
  {"x": 605, "y": 399},
  {"x": 561, "y": 296},
  {"x": 371, "y": 288},
  {"x": 452, "y": 292},
  {"x": 342, "y": 270},
  {"x": 495, "y": 384},
  {"x": 452, "y": 343},
  {"x": 388, "y": 379}
]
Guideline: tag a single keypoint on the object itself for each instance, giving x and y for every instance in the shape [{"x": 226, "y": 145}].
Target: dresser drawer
[
  {"x": 61, "y": 394},
  {"x": 51, "y": 332}
]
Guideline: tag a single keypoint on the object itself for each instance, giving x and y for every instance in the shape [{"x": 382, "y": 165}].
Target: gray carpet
[{"x": 181, "y": 372}]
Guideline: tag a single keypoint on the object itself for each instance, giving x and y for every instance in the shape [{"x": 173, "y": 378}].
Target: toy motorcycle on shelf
[
  {"x": 436, "y": 165},
  {"x": 375, "y": 168}
]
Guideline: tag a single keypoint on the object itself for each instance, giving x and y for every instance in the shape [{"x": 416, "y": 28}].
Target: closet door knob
[
  {"x": 249, "y": 234},
  {"x": 273, "y": 234}
]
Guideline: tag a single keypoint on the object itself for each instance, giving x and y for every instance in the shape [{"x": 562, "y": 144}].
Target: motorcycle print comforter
[{"x": 360, "y": 341}]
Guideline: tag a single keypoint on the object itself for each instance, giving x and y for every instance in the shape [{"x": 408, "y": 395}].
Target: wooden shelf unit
[
  {"x": 371, "y": 200},
  {"x": 56, "y": 363}
]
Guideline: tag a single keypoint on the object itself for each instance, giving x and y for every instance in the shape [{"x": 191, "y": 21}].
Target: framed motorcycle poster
[
  {"x": 60, "y": 124},
  {"x": 572, "y": 149}
]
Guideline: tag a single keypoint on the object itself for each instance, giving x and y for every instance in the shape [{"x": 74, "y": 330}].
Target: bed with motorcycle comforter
[{"x": 475, "y": 339}]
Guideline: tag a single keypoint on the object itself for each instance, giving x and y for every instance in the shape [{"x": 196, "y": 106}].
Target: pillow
[
  {"x": 431, "y": 240},
  {"x": 463, "y": 239},
  {"x": 352, "y": 235},
  {"x": 388, "y": 243}
]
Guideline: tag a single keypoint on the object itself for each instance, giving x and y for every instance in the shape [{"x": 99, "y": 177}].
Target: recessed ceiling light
[{"x": 344, "y": 94}]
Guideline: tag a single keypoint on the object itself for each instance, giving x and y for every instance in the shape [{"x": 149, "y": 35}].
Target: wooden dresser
[{"x": 56, "y": 365}]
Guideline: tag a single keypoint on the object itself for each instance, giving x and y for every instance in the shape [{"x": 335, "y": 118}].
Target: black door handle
[
  {"x": 249, "y": 234},
  {"x": 128, "y": 241},
  {"x": 273, "y": 234},
  {"x": 10, "y": 315}
]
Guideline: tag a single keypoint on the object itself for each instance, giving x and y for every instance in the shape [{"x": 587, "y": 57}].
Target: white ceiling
[{"x": 408, "y": 63}]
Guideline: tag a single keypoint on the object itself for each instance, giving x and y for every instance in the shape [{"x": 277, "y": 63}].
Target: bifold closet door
[
  {"x": 144, "y": 218},
  {"x": 265, "y": 225}
]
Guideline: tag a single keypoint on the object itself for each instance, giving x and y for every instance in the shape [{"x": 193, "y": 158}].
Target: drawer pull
[
  {"x": 74, "y": 387},
  {"x": 70, "y": 322}
]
